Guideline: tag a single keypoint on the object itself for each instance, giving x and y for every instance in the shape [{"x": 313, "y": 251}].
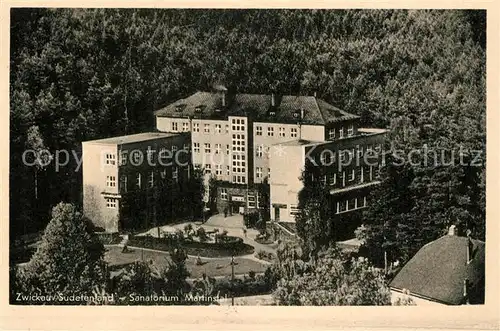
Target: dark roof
[
  {"x": 438, "y": 270},
  {"x": 287, "y": 108}
]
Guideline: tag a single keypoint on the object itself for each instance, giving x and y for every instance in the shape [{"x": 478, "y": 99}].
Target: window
[
  {"x": 294, "y": 210},
  {"x": 138, "y": 180},
  {"x": 238, "y": 142},
  {"x": 251, "y": 201},
  {"x": 228, "y": 149},
  {"x": 343, "y": 206},
  {"x": 239, "y": 163},
  {"x": 218, "y": 169},
  {"x": 268, "y": 172},
  {"x": 196, "y": 127},
  {"x": 331, "y": 134},
  {"x": 239, "y": 179},
  {"x": 333, "y": 179},
  {"x": 208, "y": 169},
  {"x": 282, "y": 132},
  {"x": 227, "y": 128},
  {"x": 341, "y": 132},
  {"x": 258, "y": 172},
  {"x": 258, "y": 130},
  {"x": 111, "y": 202},
  {"x": 270, "y": 131},
  {"x": 207, "y": 148},
  {"x": 218, "y": 128},
  {"x": 293, "y": 132},
  {"x": 227, "y": 170},
  {"x": 186, "y": 147},
  {"x": 196, "y": 147},
  {"x": 110, "y": 181},
  {"x": 206, "y": 128},
  {"x": 151, "y": 179},
  {"x": 343, "y": 155},
  {"x": 197, "y": 166},
  {"x": 123, "y": 183},
  {"x": 238, "y": 124},
  {"x": 175, "y": 174},
  {"x": 223, "y": 193},
  {"x": 325, "y": 157},
  {"x": 111, "y": 159},
  {"x": 185, "y": 126},
  {"x": 218, "y": 148},
  {"x": 174, "y": 126},
  {"x": 174, "y": 148},
  {"x": 351, "y": 204},
  {"x": 123, "y": 158},
  {"x": 259, "y": 152},
  {"x": 352, "y": 175},
  {"x": 350, "y": 130},
  {"x": 149, "y": 154},
  {"x": 324, "y": 179}
]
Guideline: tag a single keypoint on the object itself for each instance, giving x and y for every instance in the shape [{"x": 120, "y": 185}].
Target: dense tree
[
  {"x": 314, "y": 223},
  {"x": 330, "y": 279},
  {"x": 68, "y": 261}
]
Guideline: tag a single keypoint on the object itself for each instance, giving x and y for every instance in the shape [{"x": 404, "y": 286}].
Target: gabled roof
[
  {"x": 287, "y": 108},
  {"x": 438, "y": 270}
]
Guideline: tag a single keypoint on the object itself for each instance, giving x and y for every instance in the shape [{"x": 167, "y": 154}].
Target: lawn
[{"x": 211, "y": 267}]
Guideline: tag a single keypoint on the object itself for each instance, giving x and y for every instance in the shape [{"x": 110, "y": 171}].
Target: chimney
[
  {"x": 470, "y": 248},
  {"x": 273, "y": 101},
  {"x": 223, "y": 99},
  {"x": 466, "y": 291},
  {"x": 301, "y": 113},
  {"x": 314, "y": 94},
  {"x": 452, "y": 230}
]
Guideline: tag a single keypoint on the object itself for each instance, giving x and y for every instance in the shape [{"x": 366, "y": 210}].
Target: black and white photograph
[{"x": 247, "y": 157}]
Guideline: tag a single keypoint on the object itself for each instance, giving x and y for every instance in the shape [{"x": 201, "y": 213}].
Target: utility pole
[{"x": 232, "y": 280}]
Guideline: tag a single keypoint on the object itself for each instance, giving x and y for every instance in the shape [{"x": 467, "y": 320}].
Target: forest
[{"x": 81, "y": 74}]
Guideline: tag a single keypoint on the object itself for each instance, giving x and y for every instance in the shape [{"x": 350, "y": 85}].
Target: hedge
[{"x": 109, "y": 238}]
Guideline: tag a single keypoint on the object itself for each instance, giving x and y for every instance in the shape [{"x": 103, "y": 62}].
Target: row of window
[
  {"x": 175, "y": 126},
  {"x": 281, "y": 131},
  {"x": 361, "y": 173},
  {"x": 351, "y": 204},
  {"x": 111, "y": 180},
  {"x": 136, "y": 156},
  {"x": 327, "y": 157},
  {"x": 333, "y": 133}
]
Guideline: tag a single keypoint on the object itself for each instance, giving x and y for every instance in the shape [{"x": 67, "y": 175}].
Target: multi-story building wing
[
  {"x": 114, "y": 168},
  {"x": 351, "y": 169},
  {"x": 232, "y": 134}
]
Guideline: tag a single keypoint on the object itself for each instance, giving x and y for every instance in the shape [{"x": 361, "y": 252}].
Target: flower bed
[{"x": 228, "y": 246}]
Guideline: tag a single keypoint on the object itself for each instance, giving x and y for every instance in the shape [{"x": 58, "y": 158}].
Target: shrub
[
  {"x": 251, "y": 285},
  {"x": 201, "y": 234},
  {"x": 251, "y": 219},
  {"x": 266, "y": 256}
]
